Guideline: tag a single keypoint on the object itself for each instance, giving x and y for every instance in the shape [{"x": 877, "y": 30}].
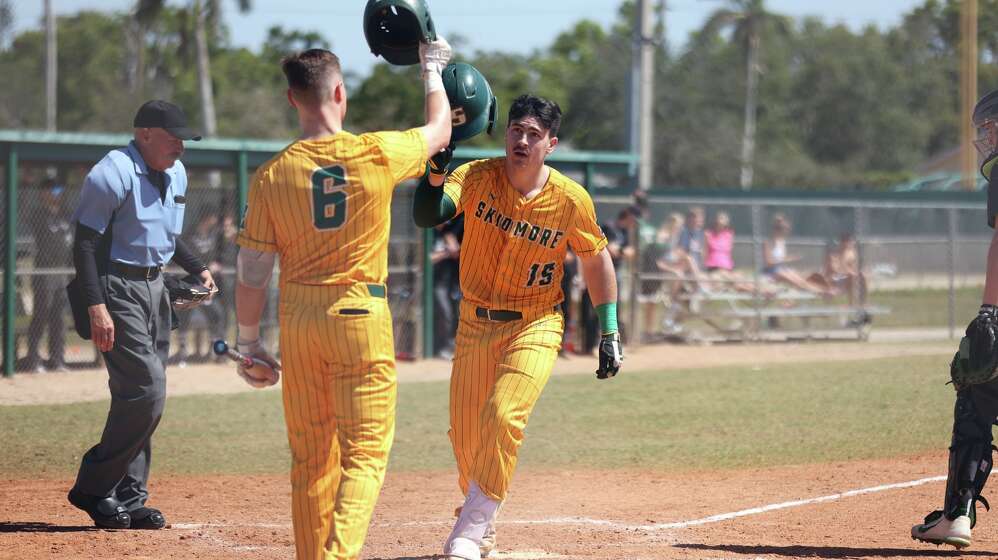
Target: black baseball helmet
[
  {"x": 473, "y": 107},
  {"x": 986, "y": 109},
  {"x": 394, "y": 29}
]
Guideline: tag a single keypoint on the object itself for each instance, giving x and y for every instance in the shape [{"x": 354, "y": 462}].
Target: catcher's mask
[
  {"x": 986, "y": 121},
  {"x": 394, "y": 29},
  {"x": 473, "y": 108}
]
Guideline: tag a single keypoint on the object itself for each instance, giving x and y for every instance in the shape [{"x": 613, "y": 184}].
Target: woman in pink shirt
[{"x": 720, "y": 241}]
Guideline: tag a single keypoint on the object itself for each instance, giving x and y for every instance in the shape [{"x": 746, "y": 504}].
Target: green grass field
[
  {"x": 696, "y": 419},
  {"x": 925, "y": 307}
]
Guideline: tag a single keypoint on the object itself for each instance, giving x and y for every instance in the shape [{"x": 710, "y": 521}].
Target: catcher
[{"x": 975, "y": 378}]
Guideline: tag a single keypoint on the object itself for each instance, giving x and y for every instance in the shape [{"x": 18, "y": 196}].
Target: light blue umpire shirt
[{"x": 146, "y": 227}]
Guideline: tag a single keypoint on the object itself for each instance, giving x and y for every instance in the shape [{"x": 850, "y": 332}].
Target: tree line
[{"x": 820, "y": 105}]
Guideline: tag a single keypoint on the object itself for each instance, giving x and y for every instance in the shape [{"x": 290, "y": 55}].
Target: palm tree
[
  {"x": 145, "y": 12},
  {"x": 748, "y": 19},
  {"x": 6, "y": 22},
  {"x": 206, "y": 16}
]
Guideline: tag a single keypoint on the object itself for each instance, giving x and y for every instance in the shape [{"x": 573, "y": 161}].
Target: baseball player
[
  {"x": 323, "y": 205},
  {"x": 974, "y": 376},
  {"x": 520, "y": 217}
]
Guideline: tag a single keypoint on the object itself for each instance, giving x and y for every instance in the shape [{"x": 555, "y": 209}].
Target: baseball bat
[{"x": 221, "y": 348}]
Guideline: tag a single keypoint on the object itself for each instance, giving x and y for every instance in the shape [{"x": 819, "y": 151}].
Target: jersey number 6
[{"x": 329, "y": 199}]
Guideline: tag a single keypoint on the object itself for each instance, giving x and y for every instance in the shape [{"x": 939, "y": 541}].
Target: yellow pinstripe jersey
[
  {"x": 325, "y": 205},
  {"x": 513, "y": 252}
]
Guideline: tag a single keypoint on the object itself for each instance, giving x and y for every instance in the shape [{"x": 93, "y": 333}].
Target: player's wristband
[
  {"x": 433, "y": 81},
  {"x": 248, "y": 333},
  {"x": 607, "y": 313}
]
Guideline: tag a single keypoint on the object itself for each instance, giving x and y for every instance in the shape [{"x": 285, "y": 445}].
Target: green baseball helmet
[
  {"x": 473, "y": 108},
  {"x": 394, "y": 29}
]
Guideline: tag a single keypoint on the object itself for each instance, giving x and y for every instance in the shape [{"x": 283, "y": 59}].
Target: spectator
[
  {"x": 53, "y": 250},
  {"x": 651, "y": 251},
  {"x": 645, "y": 228},
  {"x": 223, "y": 269},
  {"x": 841, "y": 272},
  {"x": 691, "y": 239},
  {"x": 672, "y": 258},
  {"x": 619, "y": 235},
  {"x": 720, "y": 242},
  {"x": 446, "y": 286},
  {"x": 205, "y": 322},
  {"x": 685, "y": 274},
  {"x": 777, "y": 261},
  {"x": 568, "y": 279}
]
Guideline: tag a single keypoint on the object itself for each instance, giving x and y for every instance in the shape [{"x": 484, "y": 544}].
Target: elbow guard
[
  {"x": 431, "y": 206},
  {"x": 254, "y": 268}
]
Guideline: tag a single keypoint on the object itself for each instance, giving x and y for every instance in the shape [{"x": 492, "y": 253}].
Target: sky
[{"x": 520, "y": 26}]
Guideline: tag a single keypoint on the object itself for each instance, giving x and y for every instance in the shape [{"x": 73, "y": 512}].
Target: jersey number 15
[{"x": 541, "y": 274}]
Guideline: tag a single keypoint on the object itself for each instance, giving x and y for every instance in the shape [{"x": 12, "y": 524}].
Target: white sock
[{"x": 477, "y": 513}]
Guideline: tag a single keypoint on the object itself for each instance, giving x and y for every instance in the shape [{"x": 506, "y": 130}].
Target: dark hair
[
  {"x": 546, "y": 111},
  {"x": 309, "y": 72}
]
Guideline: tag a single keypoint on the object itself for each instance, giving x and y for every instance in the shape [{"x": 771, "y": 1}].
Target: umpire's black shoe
[
  {"x": 147, "y": 518},
  {"x": 106, "y": 512}
]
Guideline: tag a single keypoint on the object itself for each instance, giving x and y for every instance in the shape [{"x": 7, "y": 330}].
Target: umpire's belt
[
  {"x": 501, "y": 315},
  {"x": 134, "y": 272}
]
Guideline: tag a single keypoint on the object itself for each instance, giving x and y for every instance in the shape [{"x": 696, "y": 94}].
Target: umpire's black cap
[{"x": 165, "y": 115}]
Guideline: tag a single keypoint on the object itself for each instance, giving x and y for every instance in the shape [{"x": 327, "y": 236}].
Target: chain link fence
[
  {"x": 922, "y": 258},
  {"x": 44, "y": 338},
  {"x": 923, "y": 262}
]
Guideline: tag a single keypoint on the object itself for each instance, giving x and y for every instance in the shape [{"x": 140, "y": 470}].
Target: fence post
[
  {"x": 242, "y": 185},
  {"x": 757, "y": 262},
  {"x": 951, "y": 257},
  {"x": 427, "y": 335},
  {"x": 635, "y": 285},
  {"x": 859, "y": 232},
  {"x": 9, "y": 291}
]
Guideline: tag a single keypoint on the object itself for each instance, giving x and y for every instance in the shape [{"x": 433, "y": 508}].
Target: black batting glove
[
  {"x": 611, "y": 354},
  {"x": 440, "y": 163}
]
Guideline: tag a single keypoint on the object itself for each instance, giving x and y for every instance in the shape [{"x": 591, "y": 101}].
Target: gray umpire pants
[{"x": 119, "y": 465}]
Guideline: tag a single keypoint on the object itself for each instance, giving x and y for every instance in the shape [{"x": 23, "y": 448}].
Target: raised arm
[{"x": 433, "y": 58}]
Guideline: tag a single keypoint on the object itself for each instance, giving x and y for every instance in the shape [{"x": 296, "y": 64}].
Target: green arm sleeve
[{"x": 431, "y": 205}]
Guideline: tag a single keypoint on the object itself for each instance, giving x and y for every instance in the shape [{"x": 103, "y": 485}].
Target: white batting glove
[{"x": 433, "y": 58}]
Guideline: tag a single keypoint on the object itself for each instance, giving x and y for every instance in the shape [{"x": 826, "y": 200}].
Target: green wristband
[{"x": 607, "y": 313}]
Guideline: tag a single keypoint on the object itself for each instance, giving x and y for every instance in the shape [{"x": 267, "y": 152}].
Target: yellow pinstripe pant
[
  {"x": 338, "y": 356},
  {"x": 499, "y": 372}
]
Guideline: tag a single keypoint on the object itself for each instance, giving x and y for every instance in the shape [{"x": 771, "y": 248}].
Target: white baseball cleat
[
  {"x": 939, "y": 529},
  {"x": 460, "y": 548},
  {"x": 488, "y": 543}
]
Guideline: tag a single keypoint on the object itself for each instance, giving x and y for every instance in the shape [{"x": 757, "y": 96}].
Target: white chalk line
[
  {"x": 605, "y": 523},
  {"x": 694, "y": 522}
]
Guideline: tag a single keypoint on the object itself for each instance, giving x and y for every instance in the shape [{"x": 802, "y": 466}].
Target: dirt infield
[
  {"x": 91, "y": 385},
  {"x": 552, "y": 514},
  {"x": 849, "y": 510}
]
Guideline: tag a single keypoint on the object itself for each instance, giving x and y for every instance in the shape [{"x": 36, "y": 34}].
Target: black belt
[
  {"x": 134, "y": 272},
  {"x": 501, "y": 315}
]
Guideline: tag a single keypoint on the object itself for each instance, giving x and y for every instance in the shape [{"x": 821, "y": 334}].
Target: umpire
[{"x": 127, "y": 228}]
